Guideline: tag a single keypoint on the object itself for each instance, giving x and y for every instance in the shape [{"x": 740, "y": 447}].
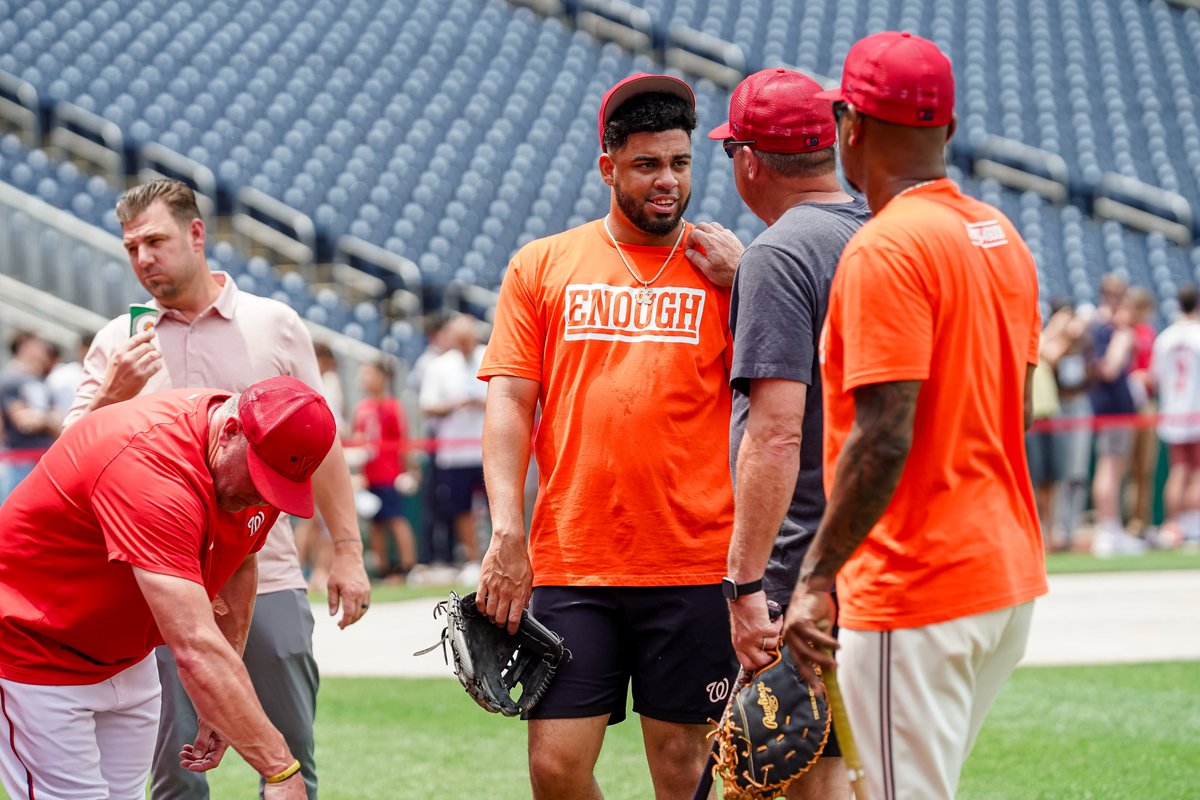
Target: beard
[{"x": 649, "y": 222}]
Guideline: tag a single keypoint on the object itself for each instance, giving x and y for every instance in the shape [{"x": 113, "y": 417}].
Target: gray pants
[
  {"x": 1073, "y": 489},
  {"x": 280, "y": 662}
]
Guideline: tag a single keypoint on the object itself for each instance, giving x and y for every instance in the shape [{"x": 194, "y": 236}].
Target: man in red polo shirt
[{"x": 139, "y": 527}]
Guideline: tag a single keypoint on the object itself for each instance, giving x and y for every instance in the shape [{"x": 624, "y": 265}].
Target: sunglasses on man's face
[
  {"x": 731, "y": 146},
  {"x": 840, "y": 107}
]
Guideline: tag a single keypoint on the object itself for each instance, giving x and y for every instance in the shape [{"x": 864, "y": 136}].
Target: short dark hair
[
  {"x": 652, "y": 112},
  {"x": 383, "y": 366},
  {"x": 800, "y": 165},
  {"x": 179, "y": 197},
  {"x": 1060, "y": 302},
  {"x": 435, "y": 321},
  {"x": 18, "y": 340},
  {"x": 1187, "y": 298}
]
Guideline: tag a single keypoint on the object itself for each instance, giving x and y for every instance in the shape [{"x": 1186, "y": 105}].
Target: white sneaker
[
  {"x": 469, "y": 574},
  {"x": 1108, "y": 543},
  {"x": 1167, "y": 537}
]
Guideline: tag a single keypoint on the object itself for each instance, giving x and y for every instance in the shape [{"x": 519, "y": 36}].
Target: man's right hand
[
  {"x": 207, "y": 751},
  {"x": 291, "y": 789},
  {"x": 128, "y": 370},
  {"x": 505, "y": 580}
]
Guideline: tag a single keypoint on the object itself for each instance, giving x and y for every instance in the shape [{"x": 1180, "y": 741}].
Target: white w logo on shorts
[
  {"x": 718, "y": 690},
  {"x": 256, "y": 522}
]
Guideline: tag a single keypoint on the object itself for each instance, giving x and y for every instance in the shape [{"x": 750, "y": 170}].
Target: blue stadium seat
[{"x": 452, "y": 131}]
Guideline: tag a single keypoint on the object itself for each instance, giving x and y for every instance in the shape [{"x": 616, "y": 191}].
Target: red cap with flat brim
[
  {"x": 641, "y": 83},
  {"x": 289, "y": 429},
  {"x": 899, "y": 78}
]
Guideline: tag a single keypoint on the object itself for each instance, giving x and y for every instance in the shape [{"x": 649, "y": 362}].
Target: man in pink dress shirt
[{"x": 209, "y": 334}]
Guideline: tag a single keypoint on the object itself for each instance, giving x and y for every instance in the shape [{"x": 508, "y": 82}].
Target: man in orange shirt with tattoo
[{"x": 927, "y": 359}]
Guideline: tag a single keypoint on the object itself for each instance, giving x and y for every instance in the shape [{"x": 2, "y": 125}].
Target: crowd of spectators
[
  {"x": 1110, "y": 393},
  {"x": 419, "y": 483},
  {"x": 1115, "y": 403}
]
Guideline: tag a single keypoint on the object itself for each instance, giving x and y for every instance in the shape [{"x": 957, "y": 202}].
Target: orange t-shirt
[
  {"x": 939, "y": 288},
  {"x": 633, "y": 443}
]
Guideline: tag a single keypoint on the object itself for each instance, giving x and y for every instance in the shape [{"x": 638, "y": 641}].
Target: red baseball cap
[
  {"x": 778, "y": 110},
  {"x": 900, "y": 78},
  {"x": 640, "y": 83},
  {"x": 290, "y": 429}
]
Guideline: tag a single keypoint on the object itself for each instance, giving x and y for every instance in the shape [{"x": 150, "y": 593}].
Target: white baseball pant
[
  {"x": 917, "y": 697},
  {"x": 92, "y": 742}
]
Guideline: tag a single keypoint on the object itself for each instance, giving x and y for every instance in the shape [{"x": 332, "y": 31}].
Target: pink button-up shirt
[{"x": 238, "y": 340}]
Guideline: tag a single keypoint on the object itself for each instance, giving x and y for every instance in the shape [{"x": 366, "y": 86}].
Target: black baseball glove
[
  {"x": 773, "y": 731},
  {"x": 490, "y": 662}
]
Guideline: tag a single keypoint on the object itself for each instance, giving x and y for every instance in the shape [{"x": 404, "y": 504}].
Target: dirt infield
[{"x": 1086, "y": 619}]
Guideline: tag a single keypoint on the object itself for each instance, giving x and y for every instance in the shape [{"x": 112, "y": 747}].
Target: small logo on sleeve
[
  {"x": 988, "y": 233},
  {"x": 256, "y": 522},
  {"x": 612, "y": 313}
]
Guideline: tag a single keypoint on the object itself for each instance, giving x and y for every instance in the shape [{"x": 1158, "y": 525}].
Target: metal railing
[{"x": 62, "y": 277}]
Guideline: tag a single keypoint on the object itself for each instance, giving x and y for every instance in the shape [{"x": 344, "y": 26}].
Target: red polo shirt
[{"x": 126, "y": 486}]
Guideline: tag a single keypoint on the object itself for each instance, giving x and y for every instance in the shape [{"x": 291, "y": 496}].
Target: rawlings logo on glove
[
  {"x": 772, "y": 732},
  {"x": 490, "y": 662}
]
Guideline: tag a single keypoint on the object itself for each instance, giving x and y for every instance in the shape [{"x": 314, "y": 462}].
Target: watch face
[{"x": 729, "y": 588}]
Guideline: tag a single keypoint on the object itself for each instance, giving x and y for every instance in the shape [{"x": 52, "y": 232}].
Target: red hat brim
[
  {"x": 721, "y": 132},
  {"x": 290, "y": 497},
  {"x": 832, "y": 95}
]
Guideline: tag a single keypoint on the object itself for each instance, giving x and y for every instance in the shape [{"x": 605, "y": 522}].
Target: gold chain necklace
[
  {"x": 644, "y": 295},
  {"x": 903, "y": 192}
]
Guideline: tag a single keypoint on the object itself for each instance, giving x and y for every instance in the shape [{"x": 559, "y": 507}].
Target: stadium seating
[
  {"x": 448, "y": 134},
  {"x": 61, "y": 184},
  {"x": 1108, "y": 84},
  {"x": 453, "y": 131}
]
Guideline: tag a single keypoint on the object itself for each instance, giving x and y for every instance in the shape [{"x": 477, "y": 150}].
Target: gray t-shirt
[{"x": 780, "y": 296}]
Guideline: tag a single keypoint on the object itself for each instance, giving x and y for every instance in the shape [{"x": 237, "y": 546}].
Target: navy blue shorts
[
  {"x": 457, "y": 485},
  {"x": 671, "y": 642},
  {"x": 391, "y": 502}
]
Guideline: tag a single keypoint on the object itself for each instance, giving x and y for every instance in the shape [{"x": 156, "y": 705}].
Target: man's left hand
[
  {"x": 348, "y": 587},
  {"x": 715, "y": 251},
  {"x": 806, "y": 631}
]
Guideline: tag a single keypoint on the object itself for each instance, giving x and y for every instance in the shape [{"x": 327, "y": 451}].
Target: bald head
[
  {"x": 462, "y": 334},
  {"x": 881, "y": 159}
]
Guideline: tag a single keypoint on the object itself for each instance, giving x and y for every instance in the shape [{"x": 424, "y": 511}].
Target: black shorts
[{"x": 672, "y": 642}]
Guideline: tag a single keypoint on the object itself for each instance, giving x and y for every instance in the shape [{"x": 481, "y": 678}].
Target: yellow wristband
[{"x": 287, "y": 773}]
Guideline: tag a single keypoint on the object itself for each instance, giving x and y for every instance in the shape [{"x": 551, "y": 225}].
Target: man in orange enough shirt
[
  {"x": 624, "y": 344},
  {"x": 927, "y": 359}
]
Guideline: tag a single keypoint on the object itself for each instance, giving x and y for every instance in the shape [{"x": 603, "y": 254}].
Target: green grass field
[
  {"x": 1062, "y": 563},
  {"x": 1069, "y": 733},
  {"x": 1055, "y": 733},
  {"x": 1063, "y": 733}
]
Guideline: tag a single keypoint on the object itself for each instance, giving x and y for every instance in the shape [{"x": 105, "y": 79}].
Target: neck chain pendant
[{"x": 643, "y": 295}]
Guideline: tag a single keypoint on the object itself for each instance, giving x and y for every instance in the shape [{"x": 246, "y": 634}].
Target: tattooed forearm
[{"x": 868, "y": 471}]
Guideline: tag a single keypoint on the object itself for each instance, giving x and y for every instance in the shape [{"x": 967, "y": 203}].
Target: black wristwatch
[{"x": 733, "y": 590}]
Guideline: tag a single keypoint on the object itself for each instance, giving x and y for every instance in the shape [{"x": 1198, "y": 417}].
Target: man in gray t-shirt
[{"x": 781, "y": 142}]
